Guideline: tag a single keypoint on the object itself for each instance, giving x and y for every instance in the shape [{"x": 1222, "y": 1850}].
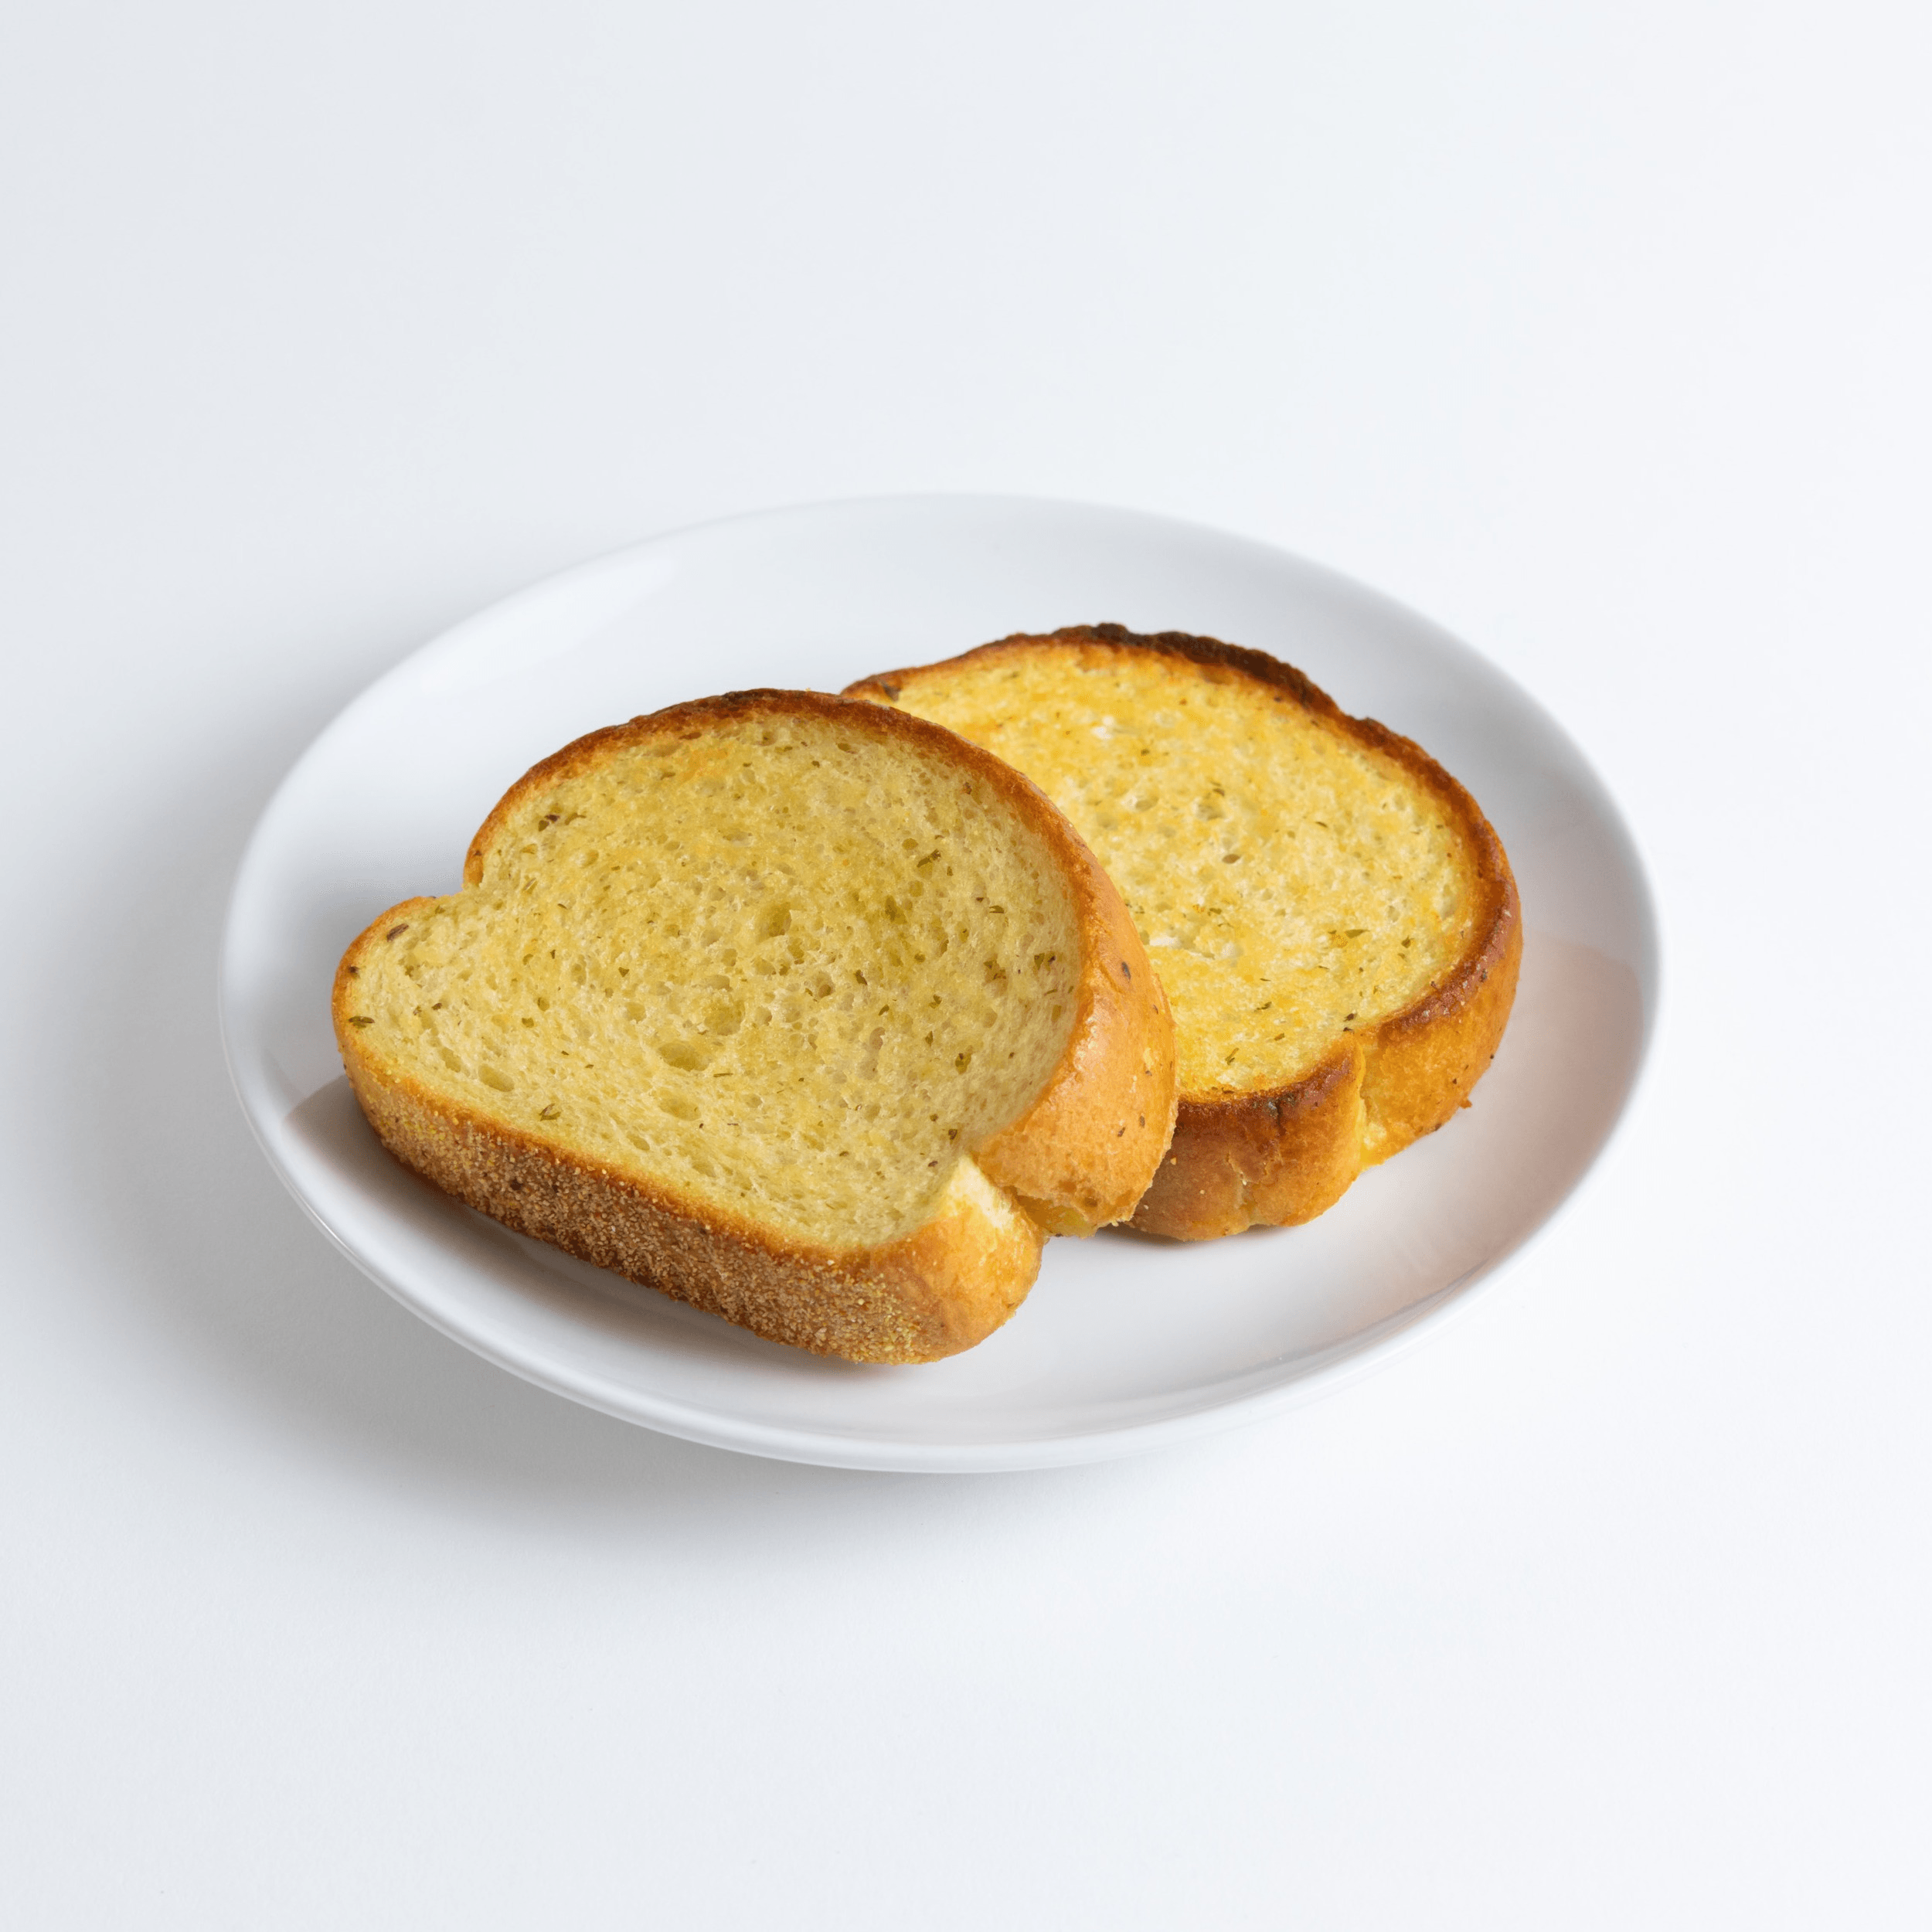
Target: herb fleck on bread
[
  {"x": 1333, "y": 917},
  {"x": 801, "y": 1011}
]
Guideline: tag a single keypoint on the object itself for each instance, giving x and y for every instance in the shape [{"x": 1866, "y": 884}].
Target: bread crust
[
  {"x": 1079, "y": 1156},
  {"x": 1281, "y": 1155}
]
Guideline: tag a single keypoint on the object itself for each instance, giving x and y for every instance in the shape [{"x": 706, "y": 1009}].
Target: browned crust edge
[
  {"x": 1279, "y": 1156},
  {"x": 1080, "y": 1155}
]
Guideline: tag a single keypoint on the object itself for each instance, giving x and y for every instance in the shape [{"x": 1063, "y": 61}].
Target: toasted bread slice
[
  {"x": 803, "y": 1012},
  {"x": 1332, "y": 917}
]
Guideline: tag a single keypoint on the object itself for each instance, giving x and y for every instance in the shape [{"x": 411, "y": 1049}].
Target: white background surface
[{"x": 1598, "y": 333}]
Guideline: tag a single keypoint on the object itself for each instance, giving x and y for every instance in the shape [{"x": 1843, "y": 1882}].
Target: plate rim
[{"x": 1360, "y": 1355}]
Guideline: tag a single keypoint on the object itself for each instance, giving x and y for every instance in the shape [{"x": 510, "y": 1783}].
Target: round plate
[{"x": 1124, "y": 1343}]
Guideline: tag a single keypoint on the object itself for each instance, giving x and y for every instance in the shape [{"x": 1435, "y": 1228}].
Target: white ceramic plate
[{"x": 1124, "y": 1344}]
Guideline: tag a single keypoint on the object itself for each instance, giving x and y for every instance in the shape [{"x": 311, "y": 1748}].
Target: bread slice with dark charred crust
[
  {"x": 803, "y": 1011},
  {"x": 1335, "y": 920}
]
